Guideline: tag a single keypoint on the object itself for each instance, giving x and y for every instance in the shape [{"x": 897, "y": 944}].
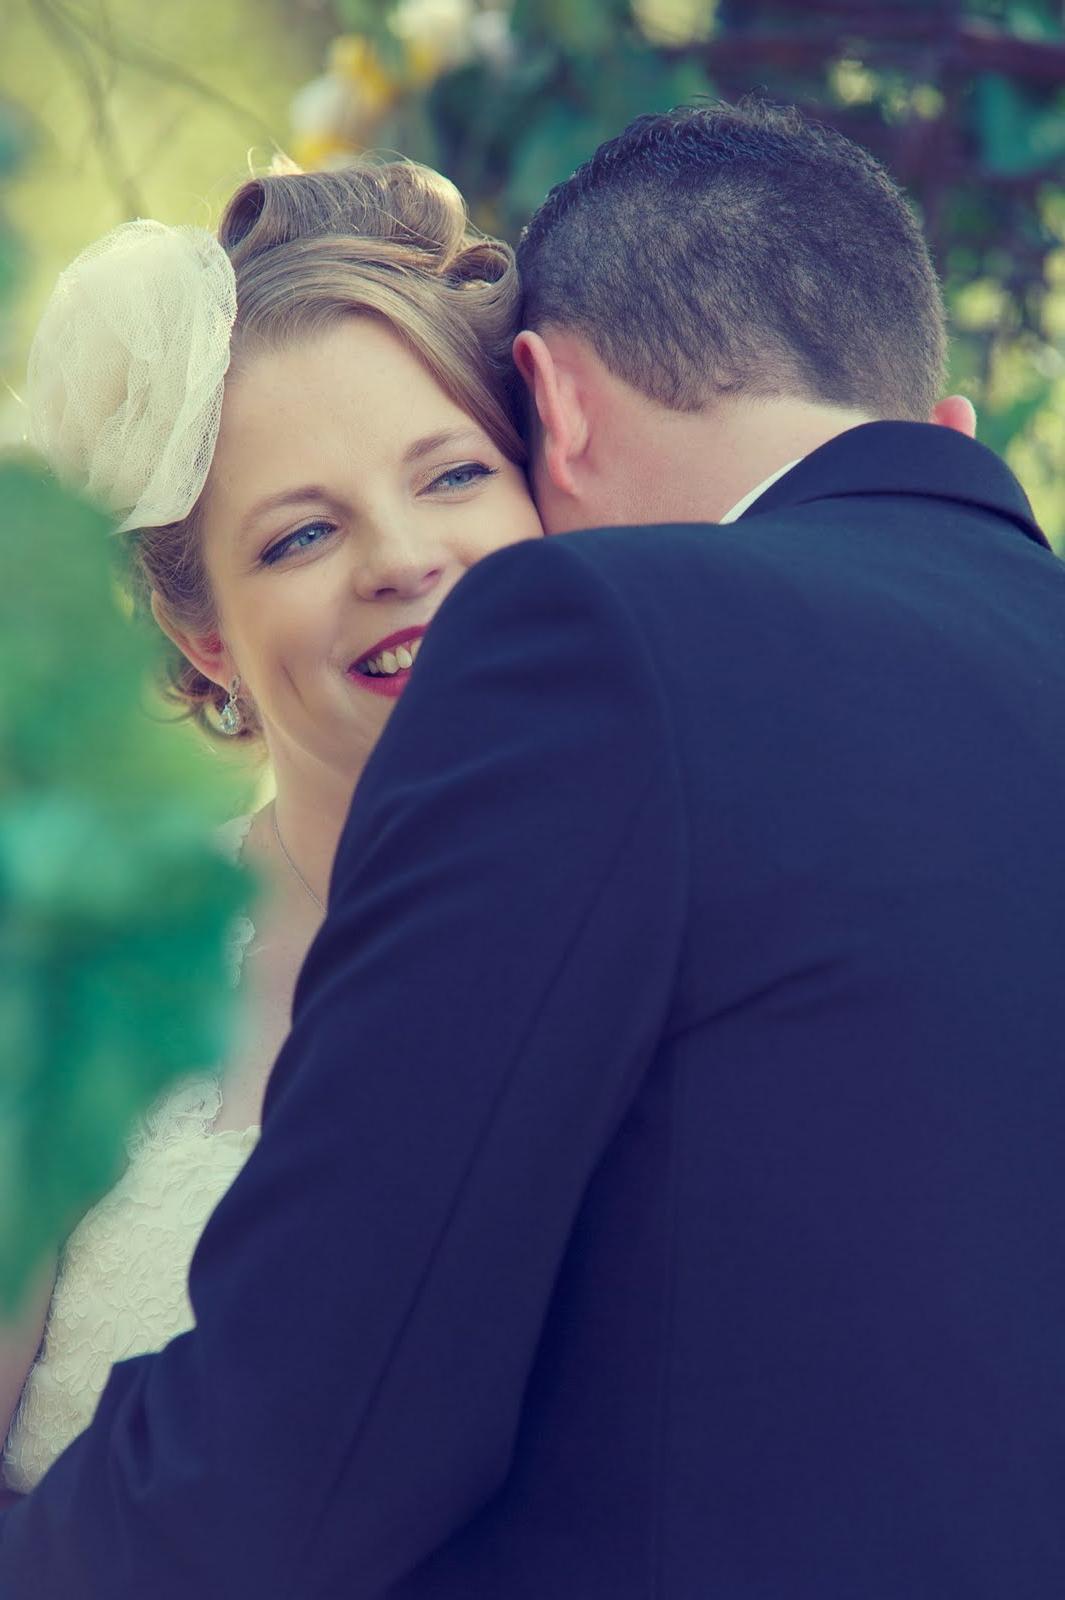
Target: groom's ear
[
  {"x": 552, "y": 384},
  {"x": 956, "y": 412}
]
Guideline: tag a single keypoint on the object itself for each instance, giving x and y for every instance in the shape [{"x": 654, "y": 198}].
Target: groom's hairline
[{"x": 660, "y": 361}]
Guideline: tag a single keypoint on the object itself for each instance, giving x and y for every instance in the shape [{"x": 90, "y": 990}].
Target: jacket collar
[{"x": 904, "y": 458}]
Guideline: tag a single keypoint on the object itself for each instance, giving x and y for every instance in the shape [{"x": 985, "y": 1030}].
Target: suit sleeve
[{"x": 471, "y": 1024}]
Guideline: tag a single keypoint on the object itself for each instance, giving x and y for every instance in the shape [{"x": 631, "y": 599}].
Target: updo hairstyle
[{"x": 390, "y": 240}]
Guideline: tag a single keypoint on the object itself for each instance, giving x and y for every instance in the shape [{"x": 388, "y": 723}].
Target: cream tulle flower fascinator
[{"x": 126, "y": 369}]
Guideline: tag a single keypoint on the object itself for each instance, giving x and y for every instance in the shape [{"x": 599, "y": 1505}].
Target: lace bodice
[{"x": 120, "y": 1289}]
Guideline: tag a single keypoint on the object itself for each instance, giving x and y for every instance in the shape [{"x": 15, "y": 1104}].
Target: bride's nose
[{"x": 396, "y": 568}]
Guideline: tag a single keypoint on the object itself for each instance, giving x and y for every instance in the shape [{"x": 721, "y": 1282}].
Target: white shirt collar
[{"x": 748, "y": 500}]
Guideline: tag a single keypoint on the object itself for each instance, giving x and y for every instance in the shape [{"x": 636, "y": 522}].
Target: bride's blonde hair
[{"x": 388, "y": 239}]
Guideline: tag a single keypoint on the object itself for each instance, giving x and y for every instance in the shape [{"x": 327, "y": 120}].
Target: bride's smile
[
  {"x": 386, "y": 666},
  {"x": 348, "y": 495}
]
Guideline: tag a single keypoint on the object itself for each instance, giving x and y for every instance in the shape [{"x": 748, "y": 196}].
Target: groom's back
[
  {"x": 806, "y": 1338},
  {"x": 870, "y": 1319},
  {"x": 807, "y": 1341}
]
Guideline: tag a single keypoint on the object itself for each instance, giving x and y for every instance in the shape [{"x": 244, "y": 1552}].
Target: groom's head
[{"x": 717, "y": 291}]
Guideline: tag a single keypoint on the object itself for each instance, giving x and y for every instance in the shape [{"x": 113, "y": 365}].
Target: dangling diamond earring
[{"x": 230, "y": 718}]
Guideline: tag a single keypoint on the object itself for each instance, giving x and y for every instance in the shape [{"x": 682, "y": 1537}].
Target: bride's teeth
[{"x": 389, "y": 662}]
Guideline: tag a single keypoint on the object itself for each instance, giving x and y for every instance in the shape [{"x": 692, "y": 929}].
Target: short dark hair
[{"x": 741, "y": 250}]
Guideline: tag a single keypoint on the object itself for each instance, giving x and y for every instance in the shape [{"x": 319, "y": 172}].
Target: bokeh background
[{"x": 113, "y": 109}]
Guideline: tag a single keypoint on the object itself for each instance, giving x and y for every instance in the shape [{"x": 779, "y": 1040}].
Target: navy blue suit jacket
[{"x": 662, "y": 1190}]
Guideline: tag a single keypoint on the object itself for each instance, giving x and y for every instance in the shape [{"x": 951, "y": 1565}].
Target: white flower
[
  {"x": 320, "y": 106},
  {"x": 493, "y": 40},
  {"x": 440, "y": 27}
]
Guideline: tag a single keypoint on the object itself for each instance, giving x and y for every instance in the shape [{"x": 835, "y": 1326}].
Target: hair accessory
[
  {"x": 126, "y": 370},
  {"x": 231, "y": 718}
]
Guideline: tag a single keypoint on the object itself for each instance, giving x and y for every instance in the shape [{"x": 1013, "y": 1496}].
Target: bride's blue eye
[
  {"x": 461, "y": 477},
  {"x": 292, "y": 541}
]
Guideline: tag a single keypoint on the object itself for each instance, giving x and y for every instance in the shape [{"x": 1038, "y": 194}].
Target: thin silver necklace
[{"x": 292, "y": 864}]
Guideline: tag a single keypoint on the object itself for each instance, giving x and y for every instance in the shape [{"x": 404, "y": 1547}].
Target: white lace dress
[{"x": 120, "y": 1289}]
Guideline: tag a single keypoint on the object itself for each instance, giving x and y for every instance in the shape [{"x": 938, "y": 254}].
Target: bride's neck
[{"x": 310, "y": 811}]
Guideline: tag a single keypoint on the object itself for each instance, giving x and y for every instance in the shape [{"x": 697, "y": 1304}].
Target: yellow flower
[
  {"x": 316, "y": 151},
  {"x": 423, "y": 62},
  {"x": 353, "y": 58}
]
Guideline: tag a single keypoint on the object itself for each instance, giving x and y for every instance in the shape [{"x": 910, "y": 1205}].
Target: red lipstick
[
  {"x": 402, "y": 637},
  {"x": 392, "y": 684}
]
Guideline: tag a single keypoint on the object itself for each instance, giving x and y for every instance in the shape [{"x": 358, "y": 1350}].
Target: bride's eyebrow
[
  {"x": 288, "y": 497},
  {"x": 432, "y": 442}
]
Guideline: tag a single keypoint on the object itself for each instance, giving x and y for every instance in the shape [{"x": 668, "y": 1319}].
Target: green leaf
[
  {"x": 556, "y": 144},
  {"x": 998, "y": 429},
  {"x": 639, "y": 81},
  {"x": 1034, "y": 19},
  {"x": 603, "y": 98},
  {"x": 1019, "y": 132},
  {"x": 363, "y": 16},
  {"x": 585, "y": 28}
]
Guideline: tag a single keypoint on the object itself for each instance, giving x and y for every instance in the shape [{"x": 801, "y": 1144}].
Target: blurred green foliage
[
  {"x": 114, "y": 904},
  {"x": 12, "y": 140},
  {"x": 114, "y": 907}
]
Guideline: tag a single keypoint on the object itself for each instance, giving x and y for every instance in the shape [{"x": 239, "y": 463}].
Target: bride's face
[{"x": 347, "y": 496}]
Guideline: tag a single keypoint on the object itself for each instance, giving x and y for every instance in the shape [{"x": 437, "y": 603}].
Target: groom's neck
[
  {"x": 746, "y": 442},
  {"x": 650, "y": 464}
]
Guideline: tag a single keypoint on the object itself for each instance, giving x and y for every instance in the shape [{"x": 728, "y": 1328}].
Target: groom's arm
[{"x": 471, "y": 1024}]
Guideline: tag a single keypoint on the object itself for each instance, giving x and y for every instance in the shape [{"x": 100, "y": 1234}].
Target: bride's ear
[
  {"x": 207, "y": 652},
  {"x": 552, "y": 384}
]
